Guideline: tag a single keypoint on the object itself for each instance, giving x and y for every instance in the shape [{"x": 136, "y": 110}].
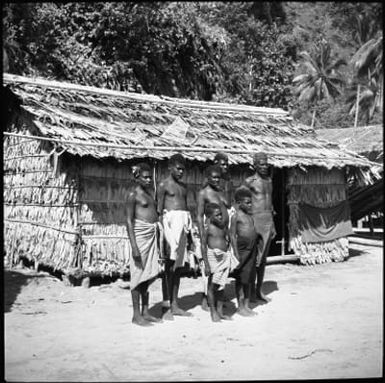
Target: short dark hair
[
  {"x": 210, "y": 208},
  {"x": 241, "y": 193},
  {"x": 143, "y": 166},
  {"x": 221, "y": 156},
  {"x": 177, "y": 159},
  {"x": 259, "y": 155},
  {"x": 213, "y": 168}
]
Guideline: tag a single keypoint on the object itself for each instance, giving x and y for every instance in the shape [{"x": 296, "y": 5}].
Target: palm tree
[
  {"x": 364, "y": 99},
  {"x": 367, "y": 63},
  {"x": 321, "y": 78}
]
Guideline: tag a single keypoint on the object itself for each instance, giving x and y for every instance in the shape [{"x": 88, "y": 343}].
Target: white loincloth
[
  {"x": 177, "y": 224},
  {"x": 221, "y": 264}
]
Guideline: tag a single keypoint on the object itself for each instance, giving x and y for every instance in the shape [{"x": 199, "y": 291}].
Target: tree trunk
[
  {"x": 313, "y": 119},
  {"x": 357, "y": 105}
]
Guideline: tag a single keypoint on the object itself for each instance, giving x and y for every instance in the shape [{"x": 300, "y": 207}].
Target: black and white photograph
[{"x": 192, "y": 191}]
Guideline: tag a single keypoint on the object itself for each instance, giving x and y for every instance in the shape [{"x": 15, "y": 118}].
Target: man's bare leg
[
  {"x": 261, "y": 274},
  {"x": 241, "y": 310},
  {"x": 247, "y": 291},
  {"x": 204, "y": 302},
  {"x": 137, "y": 318},
  {"x": 211, "y": 293},
  {"x": 220, "y": 301},
  {"x": 166, "y": 308},
  {"x": 175, "y": 309},
  {"x": 145, "y": 299}
]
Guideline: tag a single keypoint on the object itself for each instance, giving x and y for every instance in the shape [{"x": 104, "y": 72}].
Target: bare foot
[
  {"x": 167, "y": 314},
  {"x": 250, "y": 311},
  {"x": 175, "y": 310},
  {"x": 140, "y": 321},
  {"x": 243, "y": 312},
  {"x": 150, "y": 318},
  {"x": 204, "y": 304},
  {"x": 215, "y": 317},
  {"x": 262, "y": 297},
  {"x": 225, "y": 317}
]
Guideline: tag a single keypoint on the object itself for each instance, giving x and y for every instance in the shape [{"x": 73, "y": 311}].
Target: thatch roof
[
  {"x": 134, "y": 125},
  {"x": 365, "y": 140}
]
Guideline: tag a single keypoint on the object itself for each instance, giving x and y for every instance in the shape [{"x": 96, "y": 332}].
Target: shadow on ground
[
  {"x": 354, "y": 253},
  {"x": 188, "y": 302},
  {"x": 13, "y": 283}
]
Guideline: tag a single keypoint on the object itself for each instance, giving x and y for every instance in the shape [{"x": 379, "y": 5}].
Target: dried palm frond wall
[
  {"x": 320, "y": 188},
  {"x": 104, "y": 189},
  {"x": 40, "y": 202}
]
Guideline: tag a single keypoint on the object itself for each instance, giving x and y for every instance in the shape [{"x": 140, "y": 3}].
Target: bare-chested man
[
  {"x": 210, "y": 193},
  {"x": 222, "y": 160},
  {"x": 176, "y": 219},
  {"x": 145, "y": 234},
  {"x": 260, "y": 185}
]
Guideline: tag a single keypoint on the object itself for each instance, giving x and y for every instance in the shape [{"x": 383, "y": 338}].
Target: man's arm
[
  {"x": 233, "y": 234},
  {"x": 201, "y": 228},
  {"x": 161, "y": 192},
  {"x": 130, "y": 228},
  {"x": 204, "y": 252},
  {"x": 246, "y": 182},
  {"x": 200, "y": 212}
]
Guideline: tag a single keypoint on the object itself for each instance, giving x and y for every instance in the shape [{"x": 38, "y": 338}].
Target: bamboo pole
[
  {"x": 68, "y": 231},
  {"x": 26, "y": 156},
  {"x": 8, "y": 78},
  {"x": 104, "y": 237},
  {"x": 283, "y": 188},
  {"x": 37, "y": 204},
  {"x": 357, "y": 105},
  {"x": 180, "y": 149},
  {"x": 313, "y": 119},
  {"x": 37, "y": 186}
]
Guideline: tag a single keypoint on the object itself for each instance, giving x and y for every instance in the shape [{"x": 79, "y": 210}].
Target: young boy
[
  {"x": 218, "y": 259},
  {"x": 244, "y": 239}
]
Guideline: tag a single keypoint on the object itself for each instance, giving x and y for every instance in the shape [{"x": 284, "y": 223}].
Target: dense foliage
[{"x": 245, "y": 52}]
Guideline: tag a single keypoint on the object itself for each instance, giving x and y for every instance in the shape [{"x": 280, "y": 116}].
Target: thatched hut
[
  {"x": 368, "y": 141},
  {"x": 69, "y": 152}
]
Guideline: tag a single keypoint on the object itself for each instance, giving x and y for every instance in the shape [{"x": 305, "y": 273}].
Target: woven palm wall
[{"x": 39, "y": 203}]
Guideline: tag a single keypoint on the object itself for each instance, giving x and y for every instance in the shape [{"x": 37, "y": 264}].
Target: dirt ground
[{"x": 324, "y": 321}]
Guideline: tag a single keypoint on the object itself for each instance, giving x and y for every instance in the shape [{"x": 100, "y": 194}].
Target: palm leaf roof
[
  {"x": 364, "y": 140},
  {"x": 135, "y": 125}
]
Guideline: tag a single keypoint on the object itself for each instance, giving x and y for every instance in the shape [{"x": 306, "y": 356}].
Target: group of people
[{"x": 234, "y": 236}]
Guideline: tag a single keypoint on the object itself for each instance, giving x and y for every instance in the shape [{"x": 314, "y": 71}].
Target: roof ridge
[{"x": 42, "y": 82}]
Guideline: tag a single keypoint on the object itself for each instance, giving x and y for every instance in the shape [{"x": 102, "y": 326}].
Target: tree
[{"x": 321, "y": 78}]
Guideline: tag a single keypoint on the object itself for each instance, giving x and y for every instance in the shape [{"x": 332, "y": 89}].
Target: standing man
[
  {"x": 222, "y": 160},
  {"x": 177, "y": 224},
  {"x": 260, "y": 185},
  {"x": 145, "y": 234},
  {"x": 211, "y": 192}
]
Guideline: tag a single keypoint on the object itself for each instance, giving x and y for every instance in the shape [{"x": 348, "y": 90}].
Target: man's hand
[{"x": 207, "y": 269}]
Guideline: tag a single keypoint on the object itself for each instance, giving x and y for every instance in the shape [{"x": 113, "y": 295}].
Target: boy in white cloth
[
  {"x": 145, "y": 234},
  {"x": 218, "y": 259},
  {"x": 177, "y": 224}
]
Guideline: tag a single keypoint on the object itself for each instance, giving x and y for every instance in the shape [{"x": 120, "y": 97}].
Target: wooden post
[
  {"x": 313, "y": 119},
  {"x": 283, "y": 213},
  {"x": 357, "y": 105},
  {"x": 371, "y": 226}
]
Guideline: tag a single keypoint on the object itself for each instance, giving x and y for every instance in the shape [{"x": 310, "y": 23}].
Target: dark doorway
[{"x": 281, "y": 218}]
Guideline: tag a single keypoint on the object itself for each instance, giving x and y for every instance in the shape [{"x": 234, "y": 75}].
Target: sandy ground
[{"x": 324, "y": 321}]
